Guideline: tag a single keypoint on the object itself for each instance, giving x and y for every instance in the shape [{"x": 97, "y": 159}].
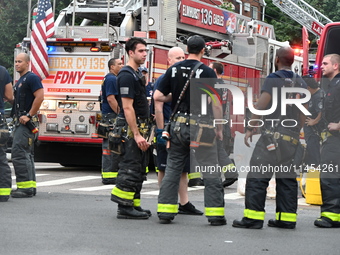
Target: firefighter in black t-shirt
[
  {"x": 133, "y": 119},
  {"x": 182, "y": 128},
  {"x": 314, "y": 123},
  {"x": 274, "y": 151},
  {"x": 330, "y": 160}
]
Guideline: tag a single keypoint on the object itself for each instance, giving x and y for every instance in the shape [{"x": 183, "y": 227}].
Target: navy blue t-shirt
[
  {"x": 167, "y": 105},
  {"x": 32, "y": 83},
  {"x": 149, "y": 89},
  {"x": 4, "y": 80},
  {"x": 109, "y": 88},
  {"x": 274, "y": 81}
]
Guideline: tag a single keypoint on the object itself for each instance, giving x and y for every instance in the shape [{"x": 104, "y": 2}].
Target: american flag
[{"x": 43, "y": 29}]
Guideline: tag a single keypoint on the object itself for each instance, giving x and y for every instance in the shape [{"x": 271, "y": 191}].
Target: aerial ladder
[{"x": 304, "y": 14}]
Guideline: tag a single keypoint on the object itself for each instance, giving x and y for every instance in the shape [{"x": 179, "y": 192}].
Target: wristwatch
[{"x": 29, "y": 116}]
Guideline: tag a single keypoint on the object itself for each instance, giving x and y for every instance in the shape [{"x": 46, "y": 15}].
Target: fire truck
[{"x": 78, "y": 56}]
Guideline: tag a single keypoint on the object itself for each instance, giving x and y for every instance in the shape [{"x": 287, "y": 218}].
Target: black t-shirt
[
  {"x": 332, "y": 101},
  {"x": 275, "y": 81},
  {"x": 315, "y": 106},
  {"x": 131, "y": 86},
  {"x": 173, "y": 83}
]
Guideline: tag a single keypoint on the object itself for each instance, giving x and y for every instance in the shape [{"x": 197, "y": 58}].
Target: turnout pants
[
  {"x": 263, "y": 164},
  {"x": 131, "y": 174},
  {"x": 110, "y": 162},
  {"x": 330, "y": 178},
  {"x": 230, "y": 170},
  {"x": 23, "y": 157},
  {"x": 5, "y": 174},
  {"x": 206, "y": 157}
]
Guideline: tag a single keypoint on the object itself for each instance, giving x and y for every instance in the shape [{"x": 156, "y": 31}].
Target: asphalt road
[{"x": 72, "y": 214}]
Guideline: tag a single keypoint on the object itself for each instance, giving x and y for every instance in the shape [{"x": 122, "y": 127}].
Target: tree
[
  {"x": 288, "y": 29},
  {"x": 13, "y": 27}
]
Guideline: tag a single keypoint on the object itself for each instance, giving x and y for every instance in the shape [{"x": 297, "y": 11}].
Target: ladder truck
[{"x": 304, "y": 14}]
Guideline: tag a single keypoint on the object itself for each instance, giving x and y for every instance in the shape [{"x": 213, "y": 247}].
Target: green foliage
[
  {"x": 288, "y": 29},
  {"x": 13, "y": 27}
]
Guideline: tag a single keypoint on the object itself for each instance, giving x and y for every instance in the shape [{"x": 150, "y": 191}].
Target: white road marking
[
  {"x": 37, "y": 175},
  {"x": 233, "y": 196},
  {"x": 67, "y": 180},
  {"x": 108, "y": 187}
]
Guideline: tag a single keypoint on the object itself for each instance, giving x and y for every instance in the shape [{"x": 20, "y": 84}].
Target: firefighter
[
  {"x": 162, "y": 114},
  {"x": 110, "y": 109},
  {"x": 330, "y": 160},
  {"x": 230, "y": 173},
  {"x": 313, "y": 124},
  {"x": 186, "y": 117},
  {"x": 275, "y": 149},
  {"x": 133, "y": 119},
  {"x": 28, "y": 96},
  {"x": 6, "y": 92}
]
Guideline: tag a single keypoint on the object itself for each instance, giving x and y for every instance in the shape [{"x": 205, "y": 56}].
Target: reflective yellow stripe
[
  {"x": 136, "y": 202},
  {"x": 214, "y": 211},
  {"x": 109, "y": 174},
  {"x": 229, "y": 167},
  {"x": 167, "y": 208},
  {"x": 5, "y": 191},
  {"x": 255, "y": 215},
  {"x": 123, "y": 194},
  {"x": 147, "y": 169},
  {"x": 332, "y": 216},
  {"x": 194, "y": 175},
  {"x": 156, "y": 169},
  {"x": 26, "y": 185},
  {"x": 291, "y": 217}
]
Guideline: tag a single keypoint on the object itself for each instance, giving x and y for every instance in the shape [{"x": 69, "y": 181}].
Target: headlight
[
  {"x": 151, "y": 21},
  {"x": 81, "y": 128}
]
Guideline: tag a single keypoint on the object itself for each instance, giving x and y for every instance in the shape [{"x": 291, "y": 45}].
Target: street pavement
[{"x": 72, "y": 214}]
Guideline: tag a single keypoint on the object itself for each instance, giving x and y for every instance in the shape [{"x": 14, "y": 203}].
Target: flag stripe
[{"x": 43, "y": 29}]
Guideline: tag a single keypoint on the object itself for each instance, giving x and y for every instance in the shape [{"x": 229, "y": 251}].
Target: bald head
[
  {"x": 24, "y": 56},
  {"x": 286, "y": 56},
  {"x": 22, "y": 62},
  {"x": 175, "y": 54}
]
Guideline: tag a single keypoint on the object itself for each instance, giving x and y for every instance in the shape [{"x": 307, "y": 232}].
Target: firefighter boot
[
  {"x": 248, "y": 223},
  {"x": 140, "y": 209},
  {"x": 129, "y": 212},
  {"x": 324, "y": 222},
  {"x": 217, "y": 221},
  {"x": 22, "y": 193},
  {"x": 281, "y": 224}
]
